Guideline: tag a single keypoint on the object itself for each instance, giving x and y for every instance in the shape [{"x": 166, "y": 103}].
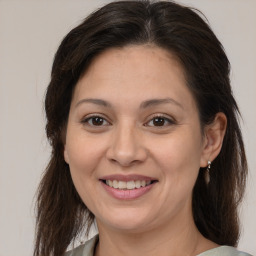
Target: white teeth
[
  {"x": 137, "y": 184},
  {"x": 127, "y": 185},
  {"x": 130, "y": 185},
  {"x": 122, "y": 184},
  {"x": 115, "y": 184}
]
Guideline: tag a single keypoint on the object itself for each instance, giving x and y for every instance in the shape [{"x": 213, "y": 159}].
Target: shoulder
[
  {"x": 224, "y": 251},
  {"x": 86, "y": 249}
]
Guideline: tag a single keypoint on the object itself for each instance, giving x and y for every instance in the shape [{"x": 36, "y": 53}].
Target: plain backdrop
[{"x": 30, "y": 32}]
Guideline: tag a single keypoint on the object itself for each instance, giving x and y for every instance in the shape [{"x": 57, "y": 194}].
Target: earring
[{"x": 207, "y": 173}]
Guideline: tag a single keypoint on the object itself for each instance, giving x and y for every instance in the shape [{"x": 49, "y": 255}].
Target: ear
[
  {"x": 213, "y": 138},
  {"x": 66, "y": 157}
]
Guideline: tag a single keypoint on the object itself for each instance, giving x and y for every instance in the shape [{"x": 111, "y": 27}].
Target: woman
[{"x": 145, "y": 137}]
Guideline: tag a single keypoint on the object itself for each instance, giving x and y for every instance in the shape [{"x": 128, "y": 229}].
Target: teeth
[
  {"x": 130, "y": 184},
  {"x": 127, "y": 185},
  {"x": 115, "y": 184},
  {"x": 137, "y": 184},
  {"x": 122, "y": 184}
]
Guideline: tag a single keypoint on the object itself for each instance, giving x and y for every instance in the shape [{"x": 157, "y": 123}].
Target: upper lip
[{"x": 129, "y": 177}]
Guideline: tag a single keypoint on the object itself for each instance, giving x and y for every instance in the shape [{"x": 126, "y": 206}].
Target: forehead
[
  {"x": 136, "y": 60},
  {"x": 134, "y": 73}
]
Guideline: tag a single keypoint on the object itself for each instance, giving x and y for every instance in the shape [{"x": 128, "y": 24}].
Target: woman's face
[{"x": 133, "y": 142}]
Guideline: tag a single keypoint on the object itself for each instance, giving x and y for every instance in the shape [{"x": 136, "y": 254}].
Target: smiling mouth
[{"x": 128, "y": 185}]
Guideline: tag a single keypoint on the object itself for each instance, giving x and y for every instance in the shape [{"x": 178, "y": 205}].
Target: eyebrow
[
  {"x": 144, "y": 104},
  {"x": 154, "y": 102},
  {"x": 94, "y": 101}
]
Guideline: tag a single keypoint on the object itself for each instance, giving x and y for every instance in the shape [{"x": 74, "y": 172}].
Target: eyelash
[
  {"x": 89, "y": 120},
  {"x": 167, "y": 120}
]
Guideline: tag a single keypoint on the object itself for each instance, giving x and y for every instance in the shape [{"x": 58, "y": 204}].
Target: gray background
[{"x": 30, "y": 32}]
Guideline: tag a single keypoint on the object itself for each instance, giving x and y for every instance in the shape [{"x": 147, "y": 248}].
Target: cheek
[
  {"x": 84, "y": 156},
  {"x": 84, "y": 151},
  {"x": 179, "y": 158}
]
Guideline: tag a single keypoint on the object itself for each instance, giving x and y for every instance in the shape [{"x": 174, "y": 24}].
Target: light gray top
[{"x": 88, "y": 248}]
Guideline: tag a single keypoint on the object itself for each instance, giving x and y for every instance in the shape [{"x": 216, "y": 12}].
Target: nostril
[
  {"x": 126, "y": 151},
  {"x": 124, "y": 162}
]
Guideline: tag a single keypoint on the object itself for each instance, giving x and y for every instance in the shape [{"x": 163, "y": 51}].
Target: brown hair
[{"x": 61, "y": 214}]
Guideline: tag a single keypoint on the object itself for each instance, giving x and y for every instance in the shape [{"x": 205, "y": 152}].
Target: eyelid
[
  {"x": 86, "y": 118},
  {"x": 166, "y": 117}
]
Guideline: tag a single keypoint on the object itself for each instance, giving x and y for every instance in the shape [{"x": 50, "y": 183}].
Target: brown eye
[
  {"x": 95, "y": 121},
  {"x": 160, "y": 121}
]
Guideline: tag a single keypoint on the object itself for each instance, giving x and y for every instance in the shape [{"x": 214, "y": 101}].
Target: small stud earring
[{"x": 207, "y": 173}]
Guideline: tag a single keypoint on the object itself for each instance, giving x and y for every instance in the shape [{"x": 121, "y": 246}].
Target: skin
[{"x": 128, "y": 141}]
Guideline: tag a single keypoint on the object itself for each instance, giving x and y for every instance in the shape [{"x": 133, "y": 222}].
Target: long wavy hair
[{"x": 61, "y": 214}]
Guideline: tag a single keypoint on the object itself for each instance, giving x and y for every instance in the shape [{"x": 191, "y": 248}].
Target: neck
[{"x": 177, "y": 238}]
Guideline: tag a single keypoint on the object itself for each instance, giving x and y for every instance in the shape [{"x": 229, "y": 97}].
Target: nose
[{"x": 126, "y": 147}]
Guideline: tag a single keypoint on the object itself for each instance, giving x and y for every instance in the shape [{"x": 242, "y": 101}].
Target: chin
[{"x": 130, "y": 221}]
